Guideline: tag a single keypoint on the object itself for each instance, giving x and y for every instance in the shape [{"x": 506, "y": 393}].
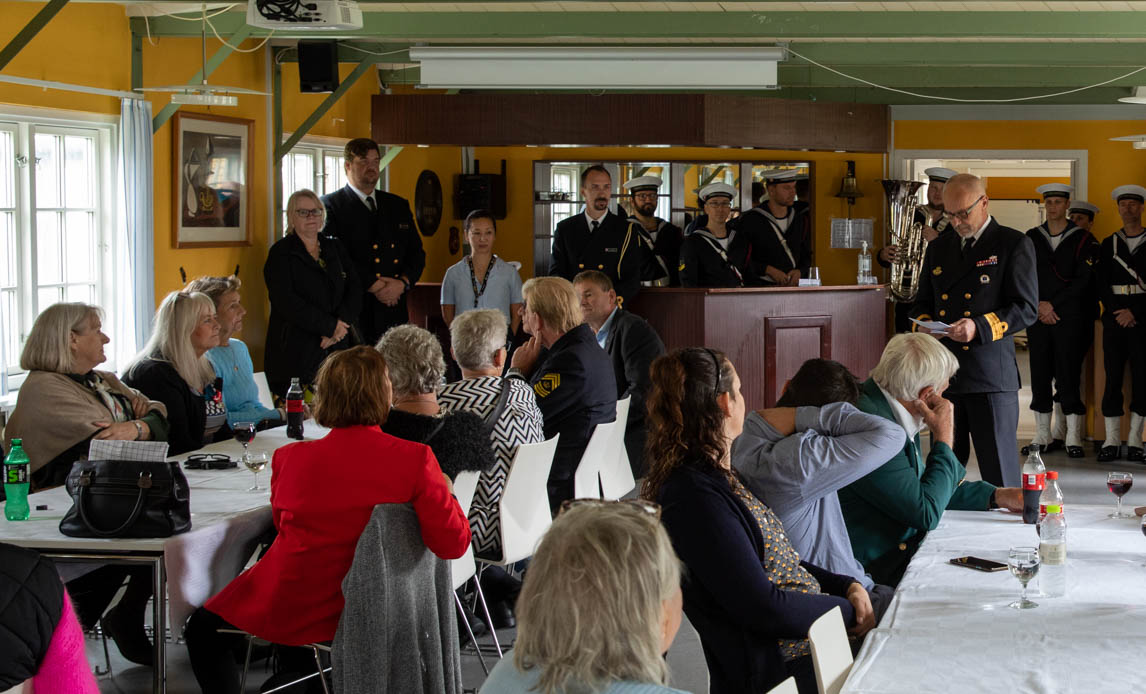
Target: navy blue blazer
[{"x": 737, "y": 611}]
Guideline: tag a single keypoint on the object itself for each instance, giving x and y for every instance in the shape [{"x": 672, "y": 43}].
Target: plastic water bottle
[
  {"x": 1034, "y": 481},
  {"x": 1052, "y": 552},
  {"x": 16, "y": 483},
  {"x": 1051, "y": 495},
  {"x": 863, "y": 270},
  {"x": 294, "y": 410}
]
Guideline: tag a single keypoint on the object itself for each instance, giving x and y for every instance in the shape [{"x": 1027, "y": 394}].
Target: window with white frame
[
  {"x": 55, "y": 223},
  {"x": 317, "y": 167}
]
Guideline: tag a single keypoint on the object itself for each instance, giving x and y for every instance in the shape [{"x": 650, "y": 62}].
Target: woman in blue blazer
[{"x": 746, "y": 591}]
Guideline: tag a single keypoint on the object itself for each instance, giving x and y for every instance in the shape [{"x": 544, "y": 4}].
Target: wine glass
[
  {"x": 255, "y": 462},
  {"x": 244, "y": 433},
  {"x": 1024, "y": 565},
  {"x": 1119, "y": 483}
]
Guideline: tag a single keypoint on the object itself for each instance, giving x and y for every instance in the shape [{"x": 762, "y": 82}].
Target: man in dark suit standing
[
  {"x": 983, "y": 280},
  {"x": 597, "y": 239},
  {"x": 378, "y": 230},
  {"x": 632, "y": 345}
]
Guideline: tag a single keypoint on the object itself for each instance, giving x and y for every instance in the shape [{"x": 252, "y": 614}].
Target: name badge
[{"x": 611, "y": 250}]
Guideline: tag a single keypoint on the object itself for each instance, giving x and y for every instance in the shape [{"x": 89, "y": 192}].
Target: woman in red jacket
[{"x": 322, "y": 495}]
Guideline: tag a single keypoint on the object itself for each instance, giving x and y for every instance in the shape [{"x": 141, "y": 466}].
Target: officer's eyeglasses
[
  {"x": 306, "y": 213},
  {"x": 963, "y": 214}
]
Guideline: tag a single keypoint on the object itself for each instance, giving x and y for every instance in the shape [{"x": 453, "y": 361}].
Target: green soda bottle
[{"x": 16, "y": 483}]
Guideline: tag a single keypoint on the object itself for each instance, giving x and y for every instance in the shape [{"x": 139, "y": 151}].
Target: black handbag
[{"x": 124, "y": 498}]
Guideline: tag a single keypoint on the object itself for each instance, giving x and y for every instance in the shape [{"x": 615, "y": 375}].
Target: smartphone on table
[{"x": 979, "y": 564}]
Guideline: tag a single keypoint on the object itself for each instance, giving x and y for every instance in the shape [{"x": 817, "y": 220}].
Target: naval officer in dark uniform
[
  {"x": 377, "y": 230},
  {"x": 779, "y": 232},
  {"x": 1081, "y": 213},
  {"x": 1059, "y": 340},
  {"x": 598, "y": 239},
  {"x": 713, "y": 254},
  {"x": 1122, "y": 288},
  {"x": 982, "y": 281},
  {"x": 661, "y": 239},
  {"x": 934, "y": 224}
]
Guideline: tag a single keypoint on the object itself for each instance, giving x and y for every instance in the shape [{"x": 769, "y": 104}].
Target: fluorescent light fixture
[
  {"x": 1136, "y": 141},
  {"x": 1139, "y": 96},
  {"x": 481, "y": 67},
  {"x": 204, "y": 99}
]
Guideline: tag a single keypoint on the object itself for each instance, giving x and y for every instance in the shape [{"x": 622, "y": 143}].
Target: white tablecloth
[
  {"x": 949, "y": 628},
  {"x": 226, "y": 521}
]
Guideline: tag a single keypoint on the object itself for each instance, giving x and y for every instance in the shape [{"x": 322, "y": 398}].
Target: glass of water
[{"x": 1024, "y": 565}]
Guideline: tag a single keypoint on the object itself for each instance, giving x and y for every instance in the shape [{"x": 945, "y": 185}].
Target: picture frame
[{"x": 210, "y": 180}]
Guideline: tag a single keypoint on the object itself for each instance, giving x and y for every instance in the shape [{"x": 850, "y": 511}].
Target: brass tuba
[{"x": 907, "y": 236}]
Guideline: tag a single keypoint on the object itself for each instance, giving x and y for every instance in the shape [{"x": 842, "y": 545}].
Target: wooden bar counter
[{"x": 767, "y": 333}]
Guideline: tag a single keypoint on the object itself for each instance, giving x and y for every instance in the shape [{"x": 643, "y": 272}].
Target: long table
[
  {"x": 949, "y": 628},
  {"x": 226, "y": 521}
]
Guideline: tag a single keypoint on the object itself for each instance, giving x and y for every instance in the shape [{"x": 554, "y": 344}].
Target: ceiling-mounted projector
[{"x": 295, "y": 15}]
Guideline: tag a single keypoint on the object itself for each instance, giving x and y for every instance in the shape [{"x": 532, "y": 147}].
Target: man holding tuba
[
  {"x": 982, "y": 281},
  {"x": 934, "y": 224}
]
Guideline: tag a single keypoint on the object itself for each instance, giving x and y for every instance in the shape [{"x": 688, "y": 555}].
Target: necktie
[
  {"x": 370, "y": 204},
  {"x": 967, "y": 244},
  {"x": 593, "y": 226}
]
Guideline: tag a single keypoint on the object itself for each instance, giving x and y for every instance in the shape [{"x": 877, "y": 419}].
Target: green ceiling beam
[
  {"x": 362, "y": 68},
  {"x": 33, "y": 27},
  {"x": 492, "y": 26},
  {"x": 240, "y": 35}
]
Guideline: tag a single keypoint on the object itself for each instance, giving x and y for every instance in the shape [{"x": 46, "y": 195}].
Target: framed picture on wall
[{"x": 211, "y": 180}]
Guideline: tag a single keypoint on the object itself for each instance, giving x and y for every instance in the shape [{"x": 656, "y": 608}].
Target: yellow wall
[
  {"x": 1110, "y": 164},
  {"x": 1018, "y": 187}
]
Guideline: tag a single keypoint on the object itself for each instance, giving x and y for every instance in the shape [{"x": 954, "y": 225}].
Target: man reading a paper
[{"x": 982, "y": 281}]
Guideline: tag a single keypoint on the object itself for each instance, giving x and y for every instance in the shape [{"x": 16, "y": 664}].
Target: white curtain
[{"x": 135, "y": 259}]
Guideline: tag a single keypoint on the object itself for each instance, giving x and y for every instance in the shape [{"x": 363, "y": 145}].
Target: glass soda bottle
[
  {"x": 1034, "y": 481},
  {"x": 294, "y": 410},
  {"x": 16, "y": 483}
]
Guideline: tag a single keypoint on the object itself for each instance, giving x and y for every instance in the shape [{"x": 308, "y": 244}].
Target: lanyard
[{"x": 479, "y": 290}]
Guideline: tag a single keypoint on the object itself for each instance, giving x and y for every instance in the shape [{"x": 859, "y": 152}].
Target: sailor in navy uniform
[
  {"x": 982, "y": 281},
  {"x": 934, "y": 224},
  {"x": 597, "y": 239},
  {"x": 713, "y": 254},
  {"x": 1059, "y": 340},
  {"x": 1122, "y": 288},
  {"x": 1081, "y": 213},
  {"x": 779, "y": 232},
  {"x": 660, "y": 239}
]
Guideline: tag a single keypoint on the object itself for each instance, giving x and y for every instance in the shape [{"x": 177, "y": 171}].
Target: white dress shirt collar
[
  {"x": 361, "y": 196},
  {"x": 910, "y": 423}
]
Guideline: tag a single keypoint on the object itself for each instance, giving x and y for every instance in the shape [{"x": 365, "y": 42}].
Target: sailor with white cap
[
  {"x": 713, "y": 254},
  {"x": 779, "y": 231},
  {"x": 1122, "y": 288},
  {"x": 934, "y": 224},
  {"x": 1065, "y": 258},
  {"x": 661, "y": 239},
  {"x": 1082, "y": 213}
]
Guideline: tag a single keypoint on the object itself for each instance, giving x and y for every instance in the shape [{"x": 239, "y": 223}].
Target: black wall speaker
[{"x": 317, "y": 66}]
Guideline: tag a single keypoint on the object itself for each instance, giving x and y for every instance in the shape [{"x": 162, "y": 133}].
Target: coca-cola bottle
[
  {"x": 1034, "y": 481},
  {"x": 294, "y": 410}
]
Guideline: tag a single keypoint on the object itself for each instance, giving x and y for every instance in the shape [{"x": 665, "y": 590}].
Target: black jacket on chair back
[{"x": 31, "y": 602}]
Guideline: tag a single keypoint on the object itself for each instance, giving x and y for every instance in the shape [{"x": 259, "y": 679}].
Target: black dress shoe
[
  {"x": 129, "y": 637},
  {"x": 478, "y": 626},
  {"x": 1134, "y": 453},
  {"x": 501, "y": 616},
  {"x": 1075, "y": 452},
  {"x": 1055, "y": 445},
  {"x": 1108, "y": 453}
]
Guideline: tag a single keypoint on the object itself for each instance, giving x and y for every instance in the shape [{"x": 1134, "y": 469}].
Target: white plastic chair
[
  {"x": 266, "y": 399},
  {"x": 616, "y": 472},
  {"x": 464, "y": 567},
  {"x": 788, "y": 686},
  {"x": 831, "y": 652},
  {"x": 524, "y": 507},
  {"x": 598, "y": 453}
]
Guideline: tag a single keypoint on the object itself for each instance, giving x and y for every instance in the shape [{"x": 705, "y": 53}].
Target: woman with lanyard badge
[
  {"x": 713, "y": 254},
  {"x": 481, "y": 279}
]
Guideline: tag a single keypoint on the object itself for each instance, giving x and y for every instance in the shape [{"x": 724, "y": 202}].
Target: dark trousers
[
  {"x": 1120, "y": 345},
  {"x": 989, "y": 420},
  {"x": 92, "y": 592},
  {"x": 217, "y": 659},
  {"x": 1057, "y": 352},
  {"x": 901, "y": 315}
]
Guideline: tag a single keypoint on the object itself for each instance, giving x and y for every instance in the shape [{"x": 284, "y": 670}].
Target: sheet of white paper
[{"x": 936, "y": 327}]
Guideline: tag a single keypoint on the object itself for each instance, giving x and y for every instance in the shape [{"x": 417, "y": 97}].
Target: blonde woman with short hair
[
  {"x": 173, "y": 369},
  {"x": 599, "y": 609}
]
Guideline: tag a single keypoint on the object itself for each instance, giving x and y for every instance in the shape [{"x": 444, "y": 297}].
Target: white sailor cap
[
  {"x": 1055, "y": 190},
  {"x": 643, "y": 183},
  {"x": 781, "y": 175},
  {"x": 1134, "y": 192},
  {"x": 939, "y": 174},
  {"x": 717, "y": 189},
  {"x": 1084, "y": 207}
]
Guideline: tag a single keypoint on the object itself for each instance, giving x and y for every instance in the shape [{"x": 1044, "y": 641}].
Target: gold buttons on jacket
[
  {"x": 377, "y": 274},
  {"x": 395, "y": 261},
  {"x": 966, "y": 313},
  {"x": 391, "y": 245},
  {"x": 902, "y": 546},
  {"x": 580, "y": 266},
  {"x": 600, "y": 267},
  {"x": 377, "y": 260},
  {"x": 942, "y": 313},
  {"x": 943, "y": 296},
  {"x": 967, "y": 295},
  {"x": 965, "y": 348},
  {"x": 375, "y": 246}
]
